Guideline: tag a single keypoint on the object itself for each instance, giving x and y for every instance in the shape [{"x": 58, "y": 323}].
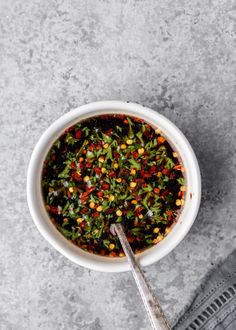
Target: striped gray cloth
[{"x": 214, "y": 307}]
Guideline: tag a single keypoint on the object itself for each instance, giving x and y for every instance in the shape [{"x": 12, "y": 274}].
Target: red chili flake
[
  {"x": 92, "y": 147},
  {"x": 88, "y": 165},
  {"x": 89, "y": 189},
  {"x": 102, "y": 252},
  {"x": 138, "y": 120},
  {"x": 100, "y": 193},
  {"x": 138, "y": 210},
  {"x": 153, "y": 169},
  {"x": 72, "y": 164},
  {"x": 78, "y": 134},
  {"x": 169, "y": 212},
  {"x": 96, "y": 214},
  {"x": 165, "y": 192},
  {"x": 166, "y": 171},
  {"x": 156, "y": 190},
  {"x": 147, "y": 175},
  {"x": 69, "y": 129},
  {"x": 76, "y": 176},
  {"x": 84, "y": 196},
  {"x": 138, "y": 197},
  {"x": 109, "y": 132},
  {"x": 125, "y": 121},
  {"x": 116, "y": 155},
  {"x": 68, "y": 193},
  {"x": 160, "y": 139},
  {"x": 84, "y": 210},
  {"x": 172, "y": 175},
  {"x": 112, "y": 174},
  {"x": 112, "y": 254},
  {"x": 178, "y": 167},
  {"x": 97, "y": 170},
  {"x": 121, "y": 116},
  {"x": 83, "y": 224},
  {"x": 105, "y": 186},
  {"x": 54, "y": 209},
  {"x": 82, "y": 165},
  {"x": 110, "y": 210},
  {"x": 135, "y": 154}
]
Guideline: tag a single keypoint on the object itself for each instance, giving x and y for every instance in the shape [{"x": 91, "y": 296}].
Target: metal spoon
[{"x": 155, "y": 313}]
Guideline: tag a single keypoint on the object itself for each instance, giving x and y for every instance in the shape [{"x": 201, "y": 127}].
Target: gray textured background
[{"x": 177, "y": 57}]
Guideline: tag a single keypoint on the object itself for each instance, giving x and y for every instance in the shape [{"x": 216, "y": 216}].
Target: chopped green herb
[{"x": 110, "y": 169}]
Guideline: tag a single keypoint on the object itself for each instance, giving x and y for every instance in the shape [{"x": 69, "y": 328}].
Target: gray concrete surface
[{"x": 175, "y": 57}]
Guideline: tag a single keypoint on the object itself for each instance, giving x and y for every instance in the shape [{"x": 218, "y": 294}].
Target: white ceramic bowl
[{"x": 69, "y": 250}]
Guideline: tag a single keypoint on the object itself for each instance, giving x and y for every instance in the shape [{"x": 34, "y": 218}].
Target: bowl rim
[{"x": 57, "y": 240}]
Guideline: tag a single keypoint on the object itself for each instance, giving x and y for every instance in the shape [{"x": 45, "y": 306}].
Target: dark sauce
[{"x": 78, "y": 187}]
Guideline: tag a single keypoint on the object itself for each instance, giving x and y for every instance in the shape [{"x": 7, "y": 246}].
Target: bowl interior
[{"x": 178, "y": 143}]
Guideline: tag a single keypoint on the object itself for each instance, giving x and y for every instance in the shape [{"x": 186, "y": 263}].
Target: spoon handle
[{"x": 155, "y": 313}]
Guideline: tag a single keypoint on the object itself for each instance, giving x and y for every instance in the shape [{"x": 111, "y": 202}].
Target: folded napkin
[{"x": 214, "y": 307}]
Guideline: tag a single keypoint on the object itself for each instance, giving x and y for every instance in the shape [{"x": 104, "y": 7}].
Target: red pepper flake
[
  {"x": 112, "y": 174},
  {"x": 109, "y": 132},
  {"x": 54, "y": 209},
  {"x": 78, "y": 134},
  {"x": 178, "y": 167},
  {"x": 138, "y": 197},
  {"x": 160, "y": 140},
  {"x": 72, "y": 164},
  {"x": 92, "y": 147},
  {"x": 172, "y": 175},
  {"x": 83, "y": 224},
  {"x": 121, "y": 116},
  {"x": 116, "y": 155},
  {"x": 100, "y": 193},
  {"x": 138, "y": 210},
  {"x": 165, "y": 192},
  {"x": 76, "y": 176},
  {"x": 105, "y": 186},
  {"x": 166, "y": 171},
  {"x": 88, "y": 165},
  {"x": 152, "y": 169},
  {"x": 97, "y": 170},
  {"x": 96, "y": 214},
  {"x": 156, "y": 190},
  {"x": 69, "y": 129},
  {"x": 110, "y": 211},
  {"x": 135, "y": 154},
  {"x": 102, "y": 252},
  {"x": 112, "y": 254}
]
